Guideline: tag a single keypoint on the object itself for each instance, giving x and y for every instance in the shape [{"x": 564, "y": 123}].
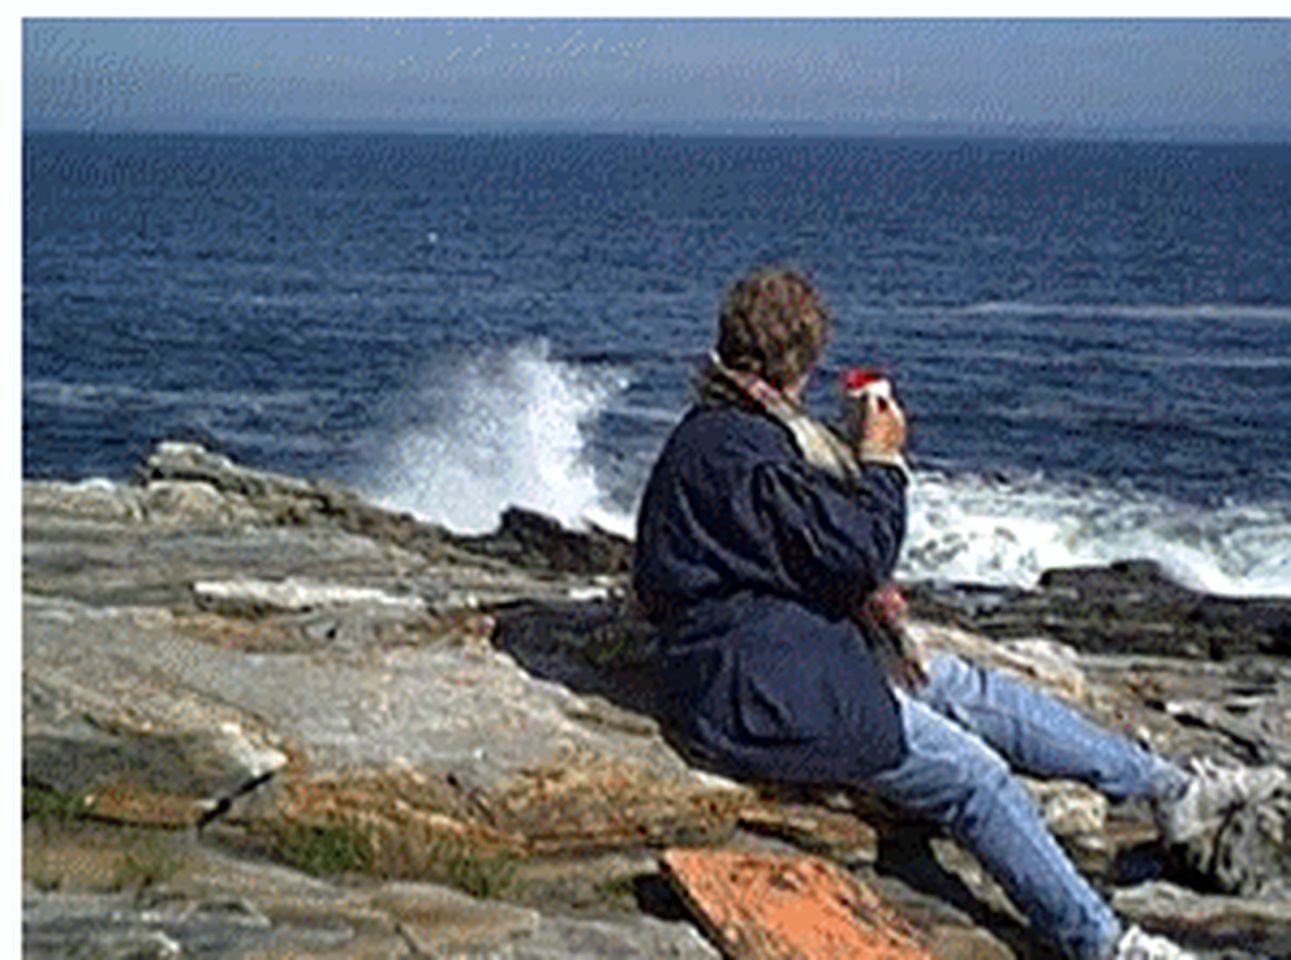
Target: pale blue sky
[{"x": 1187, "y": 78}]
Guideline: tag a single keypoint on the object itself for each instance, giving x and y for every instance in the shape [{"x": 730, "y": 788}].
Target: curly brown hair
[{"x": 773, "y": 324}]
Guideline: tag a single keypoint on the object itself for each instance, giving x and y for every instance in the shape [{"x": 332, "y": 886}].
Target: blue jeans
[{"x": 966, "y": 728}]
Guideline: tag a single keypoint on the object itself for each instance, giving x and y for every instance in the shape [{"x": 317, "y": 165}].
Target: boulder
[
  {"x": 1238, "y": 926},
  {"x": 537, "y": 542},
  {"x": 194, "y": 503},
  {"x": 1127, "y": 607}
]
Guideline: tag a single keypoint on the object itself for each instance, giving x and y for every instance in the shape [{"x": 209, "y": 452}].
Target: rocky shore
[{"x": 264, "y": 718}]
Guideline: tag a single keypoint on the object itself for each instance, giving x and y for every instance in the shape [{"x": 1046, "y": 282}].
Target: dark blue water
[{"x": 1090, "y": 320}]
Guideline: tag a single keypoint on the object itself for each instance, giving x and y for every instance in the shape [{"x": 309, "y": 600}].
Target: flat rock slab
[
  {"x": 1238, "y": 926},
  {"x": 766, "y": 906},
  {"x": 256, "y": 597}
]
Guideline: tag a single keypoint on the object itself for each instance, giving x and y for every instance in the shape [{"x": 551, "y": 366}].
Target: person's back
[{"x": 754, "y": 564}]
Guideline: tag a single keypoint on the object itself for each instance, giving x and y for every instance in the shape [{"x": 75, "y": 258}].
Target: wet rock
[
  {"x": 1248, "y": 927},
  {"x": 601, "y": 631},
  {"x": 1129, "y": 607},
  {"x": 537, "y": 542}
]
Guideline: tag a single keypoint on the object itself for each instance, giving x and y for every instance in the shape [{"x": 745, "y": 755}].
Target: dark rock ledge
[
  {"x": 1127, "y": 607},
  {"x": 264, "y": 718}
]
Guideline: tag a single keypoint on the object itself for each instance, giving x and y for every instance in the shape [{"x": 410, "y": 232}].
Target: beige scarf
[{"x": 819, "y": 445}]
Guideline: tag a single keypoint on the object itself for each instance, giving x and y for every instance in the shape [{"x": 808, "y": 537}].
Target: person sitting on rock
[{"x": 762, "y": 540}]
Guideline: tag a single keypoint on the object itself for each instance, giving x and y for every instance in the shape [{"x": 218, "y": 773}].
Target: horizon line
[{"x": 914, "y": 130}]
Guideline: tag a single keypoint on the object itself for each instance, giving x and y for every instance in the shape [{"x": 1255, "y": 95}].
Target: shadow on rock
[
  {"x": 906, "y": 854},
  {"x": 599, "y": 647}
]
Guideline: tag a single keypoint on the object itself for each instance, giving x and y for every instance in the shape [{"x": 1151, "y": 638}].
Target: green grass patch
[
  {"x": 326, "y": 849},
  {"x": 618, "y": 889},
  {"x": 345, "y": 847},
  {"x": 48, "y": 807},
  {"x": 148, "y": 863},
  {"x": 484, "y": 875}
]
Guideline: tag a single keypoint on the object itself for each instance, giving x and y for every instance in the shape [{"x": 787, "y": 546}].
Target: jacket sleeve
[{"x": 831, "y": 547}]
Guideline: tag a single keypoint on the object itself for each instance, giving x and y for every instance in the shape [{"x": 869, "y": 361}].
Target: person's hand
[
  {"x": 908, "y": 658},
  {"x": 883, "y": 430},
  {"x": 911, "y": 670}
]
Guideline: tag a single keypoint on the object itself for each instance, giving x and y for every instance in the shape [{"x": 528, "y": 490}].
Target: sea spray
[
  {"x": 495, "y": 430},
  {"x": 970, "y": 528}
]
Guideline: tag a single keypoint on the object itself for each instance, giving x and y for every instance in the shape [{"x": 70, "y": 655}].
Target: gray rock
[
  {"x": 99, "y": 500},
  {"x": 260, "y": 597},
  {"x": 151, "y": 924},
  {"x": 169, "y": 778},
  {"x": 1070, "y": 809},
  {"x": 188, "y": 634},
  {"x": 538, "y": 542},
  {"x": 1126, "y": 607},
  {"x": 193, "y": 463},
  {"x": 439, "y": 922},
  {"x": 194, "y": 504},
  {"x": 127, "y": 945},
  {"x": 1254, "y": 927}
]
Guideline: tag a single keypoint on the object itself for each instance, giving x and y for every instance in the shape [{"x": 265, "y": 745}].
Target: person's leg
[
  {"x": 1040, "y": 735},
  {"x": 952, "y": 778}
]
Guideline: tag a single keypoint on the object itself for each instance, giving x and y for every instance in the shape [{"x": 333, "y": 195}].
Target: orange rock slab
[{"x": 763, "y": 906}]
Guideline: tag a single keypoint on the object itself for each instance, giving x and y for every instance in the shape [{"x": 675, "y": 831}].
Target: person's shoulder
[{"x": 729, "y": 431}]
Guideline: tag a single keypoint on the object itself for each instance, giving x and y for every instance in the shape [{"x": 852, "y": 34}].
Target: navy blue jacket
[{"x": 751, "y": 561}]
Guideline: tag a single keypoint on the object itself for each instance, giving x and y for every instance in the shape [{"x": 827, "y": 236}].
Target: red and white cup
[{"x": 860, "y": 385}]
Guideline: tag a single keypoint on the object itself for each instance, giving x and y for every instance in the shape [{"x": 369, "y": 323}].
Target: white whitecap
[
  {"x": 498, "y": 430},
  {"x": 974, "y": 529}
]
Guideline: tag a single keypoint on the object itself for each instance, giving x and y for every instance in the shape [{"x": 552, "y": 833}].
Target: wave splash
[
  {"x": 513, "y": 428},
  {"x": 495, "y": 431},
  {"x": 1006, "y": 532}
]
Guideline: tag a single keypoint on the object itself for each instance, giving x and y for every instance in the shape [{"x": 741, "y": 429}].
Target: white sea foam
[
  {"x": 512, "y": 428},
  {"x": 502, "y": 430},
  {"x": 972, "y": 529}
]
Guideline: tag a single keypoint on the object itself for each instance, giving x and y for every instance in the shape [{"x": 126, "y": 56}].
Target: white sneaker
[
  {"x": 1213, "y": 792},
  {"x": 1137, "y": 945}
]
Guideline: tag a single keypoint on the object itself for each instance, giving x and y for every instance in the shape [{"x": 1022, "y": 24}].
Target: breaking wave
[
  {"x": 514, "y": 428},
  {"x": 494, "y": 431},
  {"x": 1006, "y": 532}
]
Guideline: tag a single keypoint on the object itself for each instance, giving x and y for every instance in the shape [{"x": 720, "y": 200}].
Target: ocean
[{"x": 1093, "y": 339}]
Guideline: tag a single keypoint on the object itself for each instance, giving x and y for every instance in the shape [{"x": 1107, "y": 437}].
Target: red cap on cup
[{"x": 858, "y": 378}]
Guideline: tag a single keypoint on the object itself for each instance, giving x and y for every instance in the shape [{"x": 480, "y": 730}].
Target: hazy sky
[{"x": 1207, "y": 78}]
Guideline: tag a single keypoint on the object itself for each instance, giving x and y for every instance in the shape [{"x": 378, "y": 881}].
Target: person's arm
[{"x": 832, "y": 547}]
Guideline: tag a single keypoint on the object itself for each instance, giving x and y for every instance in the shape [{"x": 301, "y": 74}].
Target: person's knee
[
  {"x": 988, "y": 789},
  {"x": 950, "y": 678},
  {"x": 963, "y": 788}
]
